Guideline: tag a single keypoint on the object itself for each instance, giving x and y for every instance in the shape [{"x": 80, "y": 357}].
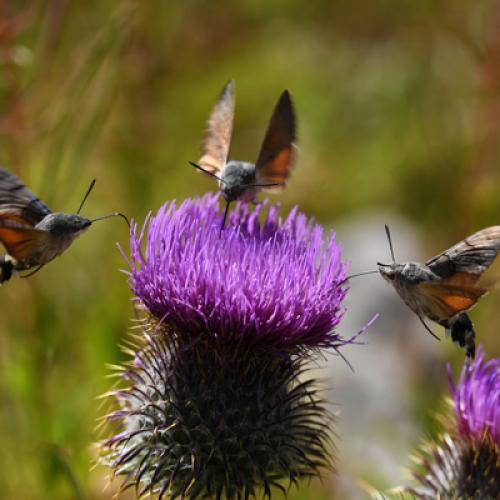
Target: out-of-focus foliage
[{"x": 398, "y": 105}]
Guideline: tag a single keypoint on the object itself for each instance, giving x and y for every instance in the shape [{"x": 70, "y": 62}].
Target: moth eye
[{"x": 390, "y": 276}]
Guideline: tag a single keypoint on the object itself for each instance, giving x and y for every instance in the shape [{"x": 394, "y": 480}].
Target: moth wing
[
  {"x": 446, "y": 299},
  {"x": 471, "y": 256},
  {"x": 217, "y": 138},
  {"x": 19, "y": 239},
  {"x": 277, "y": 153},
  {"x": 16, "y": 201}
]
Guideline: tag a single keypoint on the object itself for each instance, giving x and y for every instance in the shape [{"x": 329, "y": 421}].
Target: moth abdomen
[
  {"x": 6, "y": 268},
  {"x": 461, "y": 330}
]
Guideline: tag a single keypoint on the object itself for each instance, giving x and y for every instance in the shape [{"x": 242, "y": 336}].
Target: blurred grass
[{"x": 398, "y": 106}]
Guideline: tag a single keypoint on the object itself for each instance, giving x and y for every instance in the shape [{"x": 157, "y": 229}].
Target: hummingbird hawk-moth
[
  {"x": 31, "y": 233},
  {"x": 447, "y": 285},
  {"x": 240, "y": 180}
]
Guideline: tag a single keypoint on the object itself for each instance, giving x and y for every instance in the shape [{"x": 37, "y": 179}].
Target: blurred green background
[{"x": 398, "y": 104}]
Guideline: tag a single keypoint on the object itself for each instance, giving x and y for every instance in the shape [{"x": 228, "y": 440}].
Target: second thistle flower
[{"x": 465, "y": 461}]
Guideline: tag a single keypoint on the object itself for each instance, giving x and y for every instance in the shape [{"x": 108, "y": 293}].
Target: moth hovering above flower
[
  {"x": 447, "y": 285},
  {"x": 240, "y": 180},
  {"x": 32, "y": 234}
]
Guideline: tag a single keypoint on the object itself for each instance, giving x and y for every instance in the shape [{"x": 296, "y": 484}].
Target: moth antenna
[
  {"x": 92, "y": 184},
  {"x": 387, "y": 231},
  {"x": 114, "y": 214},
  {"x": 195, "y": 165},
  {"x": 225, "y": 216},
  {"x": 427, "y": 328}
]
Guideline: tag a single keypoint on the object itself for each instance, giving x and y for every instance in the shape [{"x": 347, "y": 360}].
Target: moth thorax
[
  {"x": 237, "y": 178},
  {"x": 414, "y": 273}
]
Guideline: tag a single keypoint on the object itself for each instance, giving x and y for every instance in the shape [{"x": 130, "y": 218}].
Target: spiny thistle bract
[
  {"x": 215, "y": 402},
  {"x": 465, "y": 462},
  {"x": 217, "y": 421}
]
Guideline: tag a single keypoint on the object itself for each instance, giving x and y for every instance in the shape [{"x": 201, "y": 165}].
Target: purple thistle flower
[
  {"x": 273, "y": 283},
  {"x": 465, "y": 461},
  {"x": 215, "y": 403},
  {"x": 476, "y": 399}
]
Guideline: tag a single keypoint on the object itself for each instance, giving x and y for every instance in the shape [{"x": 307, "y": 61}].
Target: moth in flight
[
  {"x": 31, "y": 233},
  {"x": 447, "y": 285},
  {"x": 240, "y": 180}
]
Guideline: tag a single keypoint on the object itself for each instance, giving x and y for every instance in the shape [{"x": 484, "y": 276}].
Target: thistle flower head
[
  {"x": 465, "y": 462},
  {"x": 214, "y": 403},
  {"x": 476, "y": 399},
  {"x": 273, "y": 283}
]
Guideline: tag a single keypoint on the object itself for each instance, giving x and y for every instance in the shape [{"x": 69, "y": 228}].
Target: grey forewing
[
  {"x": 280, "y": 136},
  {"x": 217, "y": 139},
  {"x": 16, "y": 198},
  {"x": 472, "y": 255},
  {"x": 474, "y": 262}
]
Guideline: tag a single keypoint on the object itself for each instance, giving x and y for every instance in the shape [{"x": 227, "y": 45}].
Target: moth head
[
  {"x": 389, "y": 271},
  {"x": 60, "y": 224}
]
